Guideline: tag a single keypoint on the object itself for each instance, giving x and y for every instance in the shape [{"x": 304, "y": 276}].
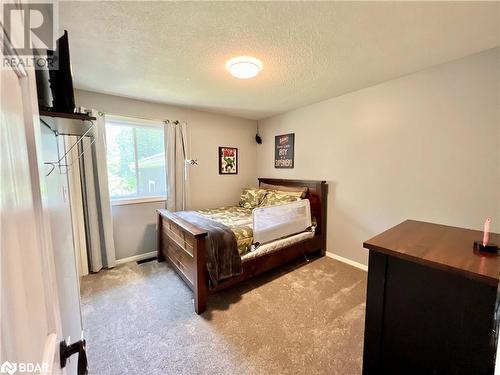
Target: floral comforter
[{"x": 238, "y": 219}]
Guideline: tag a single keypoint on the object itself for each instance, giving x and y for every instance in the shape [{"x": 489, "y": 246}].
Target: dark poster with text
[{"x": 283, "y": 152}]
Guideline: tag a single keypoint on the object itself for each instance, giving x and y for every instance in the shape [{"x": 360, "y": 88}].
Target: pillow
[
  {"x": 252, "y": 197},
  {"x": 302, "y": 189},
  {"x": 274, "y": 197}
]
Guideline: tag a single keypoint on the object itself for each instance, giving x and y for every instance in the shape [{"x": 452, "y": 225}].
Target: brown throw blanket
[{"x": 223, "y": 259}]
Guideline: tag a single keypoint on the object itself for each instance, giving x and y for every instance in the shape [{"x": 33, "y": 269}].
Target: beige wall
[
  {"x": 424, "y": 146},
  {"x": 207, "y": 131}
]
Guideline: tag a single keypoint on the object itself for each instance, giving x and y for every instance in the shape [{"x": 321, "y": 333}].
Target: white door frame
[{"x": 49, "y": 354}]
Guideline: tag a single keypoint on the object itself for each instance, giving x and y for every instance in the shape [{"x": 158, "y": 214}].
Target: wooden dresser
[{"x": 431, "y": 302}]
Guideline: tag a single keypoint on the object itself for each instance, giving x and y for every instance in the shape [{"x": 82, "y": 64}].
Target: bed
[{"x": 183, "y": 241}]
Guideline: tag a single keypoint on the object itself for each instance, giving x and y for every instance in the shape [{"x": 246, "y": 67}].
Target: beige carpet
[{"x": 302, "y": 319}]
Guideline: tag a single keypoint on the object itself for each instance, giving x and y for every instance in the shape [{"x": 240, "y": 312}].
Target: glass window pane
[
  {"x": 151, "y": 161},
  {"x": 121, "y": 161}
]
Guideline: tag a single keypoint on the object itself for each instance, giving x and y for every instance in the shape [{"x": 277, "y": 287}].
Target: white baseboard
[
  {"x": 347, "y": 261},
  {"x": 152, "y": 254},
  {"x": 135, "y": 258}
]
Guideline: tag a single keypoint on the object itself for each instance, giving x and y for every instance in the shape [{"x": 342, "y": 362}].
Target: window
[{"x": 136, "y": 159}]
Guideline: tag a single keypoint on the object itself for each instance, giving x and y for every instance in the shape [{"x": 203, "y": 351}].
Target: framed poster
[
  {"x": 283, "y": 150},
  {"x": 228, "y": 160}
]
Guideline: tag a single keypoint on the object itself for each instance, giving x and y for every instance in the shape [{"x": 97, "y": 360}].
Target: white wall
[
  {"x": 424, "y": 146},
  {"x": 134, "y": 225}
]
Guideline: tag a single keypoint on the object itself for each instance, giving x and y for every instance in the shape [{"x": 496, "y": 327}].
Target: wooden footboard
[{"x": 182, "y": 244}]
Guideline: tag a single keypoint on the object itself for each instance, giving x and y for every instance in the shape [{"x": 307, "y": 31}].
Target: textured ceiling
[{"x": 174, "y": 52}]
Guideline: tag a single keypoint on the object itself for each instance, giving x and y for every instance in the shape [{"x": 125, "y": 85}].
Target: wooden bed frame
[{"x": 182, "y": 244}]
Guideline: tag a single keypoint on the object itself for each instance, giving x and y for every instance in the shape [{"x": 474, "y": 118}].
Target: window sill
[{"x": 125, "y": 201}]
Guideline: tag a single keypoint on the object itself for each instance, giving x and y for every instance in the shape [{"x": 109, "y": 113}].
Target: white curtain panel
[
  {"x": 76, "y": 204},
  {"x": 176, "y": 152},
  {"x": 99, "y": 223}
]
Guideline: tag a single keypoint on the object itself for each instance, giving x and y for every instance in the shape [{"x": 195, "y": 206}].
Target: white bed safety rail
[{"x": 274, "y": 222}]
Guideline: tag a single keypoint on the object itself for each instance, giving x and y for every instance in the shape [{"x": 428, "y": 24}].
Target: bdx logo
[
  {"x": 23, "y": 367},
  {"x": 8, "y": 368},
  {"x": 36, "y": 20}
]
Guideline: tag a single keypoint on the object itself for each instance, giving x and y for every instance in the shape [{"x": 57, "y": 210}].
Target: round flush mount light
[{"x": 244, "y": 67}]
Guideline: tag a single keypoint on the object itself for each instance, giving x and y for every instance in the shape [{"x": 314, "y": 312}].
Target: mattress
[{"x": 277, "y": 245}]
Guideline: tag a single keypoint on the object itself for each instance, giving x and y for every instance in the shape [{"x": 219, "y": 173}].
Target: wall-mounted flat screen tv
[{"x": 55, "y": 84}]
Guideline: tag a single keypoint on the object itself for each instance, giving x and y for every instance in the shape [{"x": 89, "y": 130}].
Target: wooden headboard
[{"x": 317, "y": 195}]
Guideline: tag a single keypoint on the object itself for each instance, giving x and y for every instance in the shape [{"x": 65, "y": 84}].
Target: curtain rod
[
  {"x": 145, "y": 119},
  {"x": 175, "y": 122}
]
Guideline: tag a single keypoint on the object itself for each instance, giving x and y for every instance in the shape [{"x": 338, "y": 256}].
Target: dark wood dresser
[{"x": 432, "y": 303}]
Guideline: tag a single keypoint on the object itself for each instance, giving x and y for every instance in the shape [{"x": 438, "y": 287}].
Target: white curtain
[
  {"x": 76, "y": 204},
  {"x": 176, "y": 152},
  {"x": 97, "y": 205}
]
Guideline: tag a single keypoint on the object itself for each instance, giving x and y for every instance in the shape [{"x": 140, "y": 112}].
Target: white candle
[{"x": 486, "y": 234}]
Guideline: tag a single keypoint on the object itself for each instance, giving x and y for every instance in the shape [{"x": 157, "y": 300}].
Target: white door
[{"x": 33, "y": 292}]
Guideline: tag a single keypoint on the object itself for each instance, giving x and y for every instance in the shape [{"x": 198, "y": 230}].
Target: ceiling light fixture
[{"x": 244, "y": 67}]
